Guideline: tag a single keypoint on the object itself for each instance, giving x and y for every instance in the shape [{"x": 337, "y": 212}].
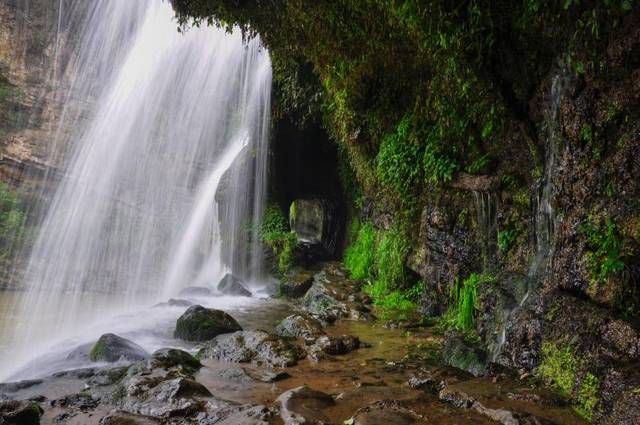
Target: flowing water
[{"x": 165, "y": 118}]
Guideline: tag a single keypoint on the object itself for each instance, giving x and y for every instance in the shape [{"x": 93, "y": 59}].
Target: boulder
[
  {"x": 463, "y": 355},
  {"x": 296, "y": 285},
  {"x": 202, "y": 324},
  {"x": 231, "y": 285},
  {"x": 195, "y": 291},
  {"x": 247, "y": 376},
  {"x": 303, "y": 405},
  {"x": 299, "y": 326},
  {"x": 20, "y": 413},
  {"x": 112, "y": 348},
  {"x": 256, "y": 347}
]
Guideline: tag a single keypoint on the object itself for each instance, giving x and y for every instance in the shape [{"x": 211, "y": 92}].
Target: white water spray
[{"x": 134, "y": 219}]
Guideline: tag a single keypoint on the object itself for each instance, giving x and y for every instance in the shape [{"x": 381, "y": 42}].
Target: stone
[
  {"x": 231, "y": 285},
  {"x": 462, "y": 355},
  {"x": 124, "y": 418},
  {"x": 239, "y": 415},
  {"x": 299, "y": 326},
  {"x": 306, "y": 219},
  {"x": 302, "y": 405},
  {"x": 256, "y": 347},
  {"x": 112, "y": 348},
  {"x": 195, "y": 291},
  {"x": 168, "y": 358},
  {"x": 202, "y": 324},
  {"x": 173, "y": 302},
  {"x": 83, "y": 402},
  {"x": 385, "y": 412},
  {"x": 296, "y": 284},
  {"x": 20, "y": 413},
  {"x": 333, "y": 345}
]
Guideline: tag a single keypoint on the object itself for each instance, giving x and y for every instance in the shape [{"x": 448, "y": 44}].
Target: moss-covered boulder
[
  {"x": 296, "y": 284},
  {"x": 202, "y": 324},
  {"x": 168, "y": 358},
  {"x": 20, "y": 413},
  {"x": 112, "y": 348},
  {"x": 464, "y": 355}
]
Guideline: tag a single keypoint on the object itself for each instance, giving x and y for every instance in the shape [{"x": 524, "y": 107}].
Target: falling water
[
  {"x": 134, "y": 219},
  {"x": 486, "y": 204},
  {"x": 544, "y": 214}
]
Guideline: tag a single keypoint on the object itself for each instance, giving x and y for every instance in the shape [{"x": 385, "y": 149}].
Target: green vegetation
[
  {"x": 506, "y": 240},
  {"x": 12, "y": 220},
  {"x": 560, "y": 366},
  {"x": 379, "y": 257},
  {"x": 359, "y": 257},
  {"x": 464, "y": 300},
  {"x": 604, "y": 257},
  {"x": 275, "y": 233}
]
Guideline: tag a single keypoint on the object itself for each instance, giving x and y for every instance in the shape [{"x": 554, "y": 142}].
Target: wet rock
[
  {"x": 622, "y": 338},
  {"x": 296, "y": 284},
  {"x": 83, "y": 373},
  {"x": 112, "y": 348},
  {"x": 458, "y": 398},
  {"x": 256, "y": 347},
  {"x": 195, "y": 291},
  {"x": 202, "y": 324},
  {"x": 20, "y": 413},
  {"x": 299, "y": 326},
  {"x": 168, "y": 358},
  {"x": 231, "y": 285},
  {"x": 426, "y": 382},
  {"x": 106, "y": 377},
  {"x": 239, "y": 415},
  {"x": 173, "y": 302},
  {"x": 80, "y": 353},
  {"x": 124, "y": 418},
  {"x": 385, "y": 412},
  {"x": 247, "y": 376},
  {"x": 13, "y": 387},
  {"x": 463, "y": 355},
  {"x": 333, "y": 345},
  {"x": 302, "y": 405},
  {"x": 83, "y": 402},
  {"x": 163, "y": 398},
  {"x": 323, "y": 301}
]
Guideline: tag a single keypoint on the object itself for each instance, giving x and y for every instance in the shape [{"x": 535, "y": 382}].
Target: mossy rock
[
  {"x": 112, "y": 348},
  {"x": 203, "y": 324},
  {"x": 296, "y": 284},
  {"x": 20, "y": 413},
  {"x": 464, "y": 355}
]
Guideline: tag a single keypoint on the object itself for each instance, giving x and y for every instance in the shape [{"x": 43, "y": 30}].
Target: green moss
[
  {"x": 98, "y": 351},
  {"x": 560, "y": 366},
  {"x": 359, "y": 257},
  {"x": 506, "y": 240},
  {"x": 587, "y": 399}
]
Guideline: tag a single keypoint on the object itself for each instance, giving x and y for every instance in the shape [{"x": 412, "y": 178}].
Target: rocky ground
[{"x": 330, "y": 361}]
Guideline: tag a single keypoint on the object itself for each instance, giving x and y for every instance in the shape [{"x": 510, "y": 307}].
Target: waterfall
[
  {"x": 544, "y": 214},
  {"x": 152, "y": 121},
  {"x": 486, "y": 204}
]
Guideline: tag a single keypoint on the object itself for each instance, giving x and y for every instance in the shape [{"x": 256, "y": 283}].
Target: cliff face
[
  {"x": 492, "y": 148},
  {"x": 34, "y": 75}
]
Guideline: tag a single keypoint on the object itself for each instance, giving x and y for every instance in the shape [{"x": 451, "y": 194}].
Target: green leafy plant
[
  {"x": 275, "y": 233},
  {"x": 604, "y": 257},
  {"x": 12, "y": 220},
  {"x": 359, "y": 257},
  {"x": 506, "y": 239},
  {"x": 464, "y": 298}
]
